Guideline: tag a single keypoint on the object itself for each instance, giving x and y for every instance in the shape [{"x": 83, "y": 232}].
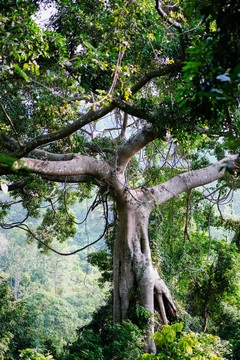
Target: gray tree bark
[{"x": 134, "y": 273}]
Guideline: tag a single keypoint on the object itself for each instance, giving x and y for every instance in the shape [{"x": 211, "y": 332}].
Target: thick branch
[
  {"x": 160, "y": 117},
  {"x": 79, "y": 165},
  {"x": 161, "y": 71},
  {"x": 11, "y": 144},
  {"x": 17, "y": 185},
  {"x": 134, "y": 144},
  {"x": 63, "y": 133},
  {"x": 92, "y": 115},
  {"x": 209, "y": 132},
  {"x": 133, "y": 110},
  {"x": 167, "y": 18},
  {"x": 189, "y": 180},
  {"x": 124, "y": 126},
  {"x": 46, "y": 155}
]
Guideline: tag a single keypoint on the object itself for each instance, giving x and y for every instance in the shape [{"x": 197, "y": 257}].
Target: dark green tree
[
  {"x": 213, "y": 285},
  {"x": 17, "y": 330}
]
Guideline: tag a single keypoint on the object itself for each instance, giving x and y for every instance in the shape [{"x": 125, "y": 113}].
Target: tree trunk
[
  {"x": 204, "y": 329},
  {"x": 135, "y": 278},
  {"x": 16, "y": 286}
]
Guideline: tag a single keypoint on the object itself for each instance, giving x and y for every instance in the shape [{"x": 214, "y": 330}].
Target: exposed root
[{"x": 163, "y": 300}]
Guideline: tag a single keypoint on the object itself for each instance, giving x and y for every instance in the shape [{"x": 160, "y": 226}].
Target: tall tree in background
[{"x": 92, "y": 96}]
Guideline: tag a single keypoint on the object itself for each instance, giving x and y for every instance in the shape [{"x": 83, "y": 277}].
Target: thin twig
[
  {"x": 27, "y": 229},
  {"x": 11, "y": 123}
]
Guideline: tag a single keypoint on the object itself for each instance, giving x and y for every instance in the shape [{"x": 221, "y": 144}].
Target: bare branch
[
  {"x": 79, "y": 165},
  {"x": 124, "y": 126},
  {"x": 85, "y": 119},
  {"x": 134, "y": 144},
  {"x": 133, "y": 110},
  {"x": 11, "y": 123},
  {"x": 189, "y": 180},
  {"x": 56, "y": 93},
  {"x": 92, "y": 115},
  {"x": 17, "y": 185},
  {"x": 27, "y": 229},
  {"x": 11, "y": 144},
  {"x": 161, "y": 71},
  {"x": 91, "y": 208},
  {"x": 213, "y": 133},
  {"x": 167, "y": 18}
]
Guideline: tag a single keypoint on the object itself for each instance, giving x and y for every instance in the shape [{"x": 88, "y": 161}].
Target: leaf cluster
[
  {"x": 211, "y": 70},
  {"x": 173, "y": 343}
]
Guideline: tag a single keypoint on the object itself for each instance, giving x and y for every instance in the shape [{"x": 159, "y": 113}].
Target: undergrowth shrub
[
  {"x": 173, "y": 343},
  {"x": 119, "y": 342}
]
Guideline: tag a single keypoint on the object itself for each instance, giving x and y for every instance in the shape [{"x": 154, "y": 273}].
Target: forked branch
[
  {"x": 189, "y": 180},
  {"x": 166, "y": 17}
]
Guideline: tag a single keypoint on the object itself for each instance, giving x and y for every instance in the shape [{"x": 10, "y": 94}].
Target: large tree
[{"x": 104, "y": 82}]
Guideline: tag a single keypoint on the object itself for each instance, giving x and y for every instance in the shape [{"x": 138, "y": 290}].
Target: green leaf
[
  {"x": 177, "y": 327},
  {"x": 158, "y": 338},
  {"x": 185, "y": 345},
  {"x": 20, "y": 72},
  {"x": 169, "y": 333},
  {"x": 148, "y": 357}
]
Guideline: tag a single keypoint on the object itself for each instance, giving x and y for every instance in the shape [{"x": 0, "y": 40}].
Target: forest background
[{"x": 108, "y": 112}]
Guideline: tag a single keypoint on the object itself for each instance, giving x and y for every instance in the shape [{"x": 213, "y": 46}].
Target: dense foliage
[{"x": 174, "y": 343}]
